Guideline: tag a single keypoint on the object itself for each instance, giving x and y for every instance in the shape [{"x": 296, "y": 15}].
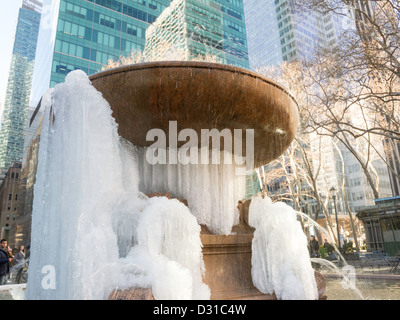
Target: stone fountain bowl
[{"x": 200, "y": 95}]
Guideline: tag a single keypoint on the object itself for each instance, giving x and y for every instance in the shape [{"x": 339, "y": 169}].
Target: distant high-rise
[
  {"x": 19, "y": 85},
  {"x": 192, "y": 28},
  {"x": 85, "y": 34},
  {"x": 278, "y": 31}
]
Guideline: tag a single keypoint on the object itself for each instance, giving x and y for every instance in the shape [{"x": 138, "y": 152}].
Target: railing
[{"x": 378, "y": 258}]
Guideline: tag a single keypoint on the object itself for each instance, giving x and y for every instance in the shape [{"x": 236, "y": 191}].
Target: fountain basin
[{"x": 200, "y": 95}]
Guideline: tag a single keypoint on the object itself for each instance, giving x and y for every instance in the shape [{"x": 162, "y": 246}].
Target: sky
[{"x": 8, "y": 21}]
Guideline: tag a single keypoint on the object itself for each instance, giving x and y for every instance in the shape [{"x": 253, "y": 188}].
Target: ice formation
[
  {"x": 212, "y": 190},
  {"x": 280, "y": 259},
  {"x": 86, "y": 196},
  {"x": 93, "y": 230}
]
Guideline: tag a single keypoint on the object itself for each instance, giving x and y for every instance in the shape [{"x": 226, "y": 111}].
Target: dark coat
[
  {"x": 4, "y": 262},
  {"x": 314, "y": 248}
]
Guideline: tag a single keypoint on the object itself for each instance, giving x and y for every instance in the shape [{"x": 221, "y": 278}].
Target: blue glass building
[
  {"x": 278, "y": 31},
  {"x": 85, "y": 34},
  {"x": 200, "y": 28},
  {"x": 19, "y": 85}
]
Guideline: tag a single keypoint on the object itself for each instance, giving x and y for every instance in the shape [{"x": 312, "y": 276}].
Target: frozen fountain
[{"x": 111, "y": 218}]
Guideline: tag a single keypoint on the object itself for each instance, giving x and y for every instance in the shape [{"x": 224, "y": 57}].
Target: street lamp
[{"x": 332, "y": 192}]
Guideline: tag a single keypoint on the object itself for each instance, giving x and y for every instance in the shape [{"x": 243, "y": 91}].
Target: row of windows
[
  {"x": 237, "y": 3},
  {"x": 95, "y": 36},
  {"x": 128, "y": 10},
  {"x": 103, "y": 19},
  {"x": 10, "y": 196},
  {"x": 235, "y": 26},
  {"x": 14, "y": 175},
  {"x": 136, "y": 13},
  {"x": 95, "y": 55}
]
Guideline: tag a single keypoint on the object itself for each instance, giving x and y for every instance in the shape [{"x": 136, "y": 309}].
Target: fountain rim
[{"x": 189, "y": 64}]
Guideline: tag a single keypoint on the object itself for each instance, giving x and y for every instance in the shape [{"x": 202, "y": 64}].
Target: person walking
[
  {"x": 314, "y": 247},
  {"x": 19, "y": 256},
  {"x": 4, "y": 262}
]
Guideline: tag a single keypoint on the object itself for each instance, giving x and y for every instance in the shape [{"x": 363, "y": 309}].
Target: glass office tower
[
  {"x": 19, "y": 85},
  {"x": 89, "y": 33},
  {"x": 200, "y": 28},
  {"x": 85, "y": 34},
  {"x": 277, "y": 33}
]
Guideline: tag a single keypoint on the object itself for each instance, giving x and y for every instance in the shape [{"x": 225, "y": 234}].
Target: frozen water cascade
[
  {"x": 93, "y": 230},
  {"x": 81, "y": 189},
  {"x": 212, "y": 190},
  {"x": 280, "y": 260}
]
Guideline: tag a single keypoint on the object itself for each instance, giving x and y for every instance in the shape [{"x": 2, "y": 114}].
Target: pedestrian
[
  {"x": 314, "y": 247},
  {"x": 326, "y": 243},
  {"x": 4, "y": 262},
  {"x": 11, "y": 256},
  {"x": 19, "y": 256}
]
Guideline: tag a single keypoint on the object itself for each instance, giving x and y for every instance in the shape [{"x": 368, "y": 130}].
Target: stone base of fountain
[
  {"x": 227, "y": 261},
  {"x": 131, "y": 294}
]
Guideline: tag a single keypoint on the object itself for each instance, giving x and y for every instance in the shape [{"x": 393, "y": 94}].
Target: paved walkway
[{"x": 372, "y": 270}]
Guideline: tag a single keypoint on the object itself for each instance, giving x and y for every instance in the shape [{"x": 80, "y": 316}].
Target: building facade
[
  {"x": 14, "y": 116},
  {"x": 382, "y": 225},
  {"x": 20, "y": 229},
  {"x": 86, "y": 34},
  {"x": 200, "y": 28},
  {"x": 287, "y": 34},
  {"x": 10, "y": 197},
  {"x": 292, "y": 32}
]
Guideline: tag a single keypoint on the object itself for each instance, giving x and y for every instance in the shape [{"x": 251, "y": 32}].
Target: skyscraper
[
  {"x": 200, "y": 28},
  {"x": 278, "y": 30},
  {"x": 19, "y": 84},
  {"x": 85, "y": 34}
]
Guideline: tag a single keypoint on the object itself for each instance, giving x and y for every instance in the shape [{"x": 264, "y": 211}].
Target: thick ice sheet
[
  {"x": 92, "y": 230},
  {"x": 280, "y": 259}
]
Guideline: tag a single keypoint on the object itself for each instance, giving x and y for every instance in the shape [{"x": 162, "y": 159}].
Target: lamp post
[{"x": 332, "y": 191}]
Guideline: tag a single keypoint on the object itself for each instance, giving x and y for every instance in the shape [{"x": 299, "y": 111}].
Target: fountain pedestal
[
  {"x": 228, "y": 267},
  {"x": 228, "y": 262}
]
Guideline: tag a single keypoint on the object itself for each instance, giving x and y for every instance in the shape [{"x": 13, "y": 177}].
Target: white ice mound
[
  {"x": 88, "y": 213},
  {"x": 280, "y": 258},
  {"x": 168, "y": 235}
]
